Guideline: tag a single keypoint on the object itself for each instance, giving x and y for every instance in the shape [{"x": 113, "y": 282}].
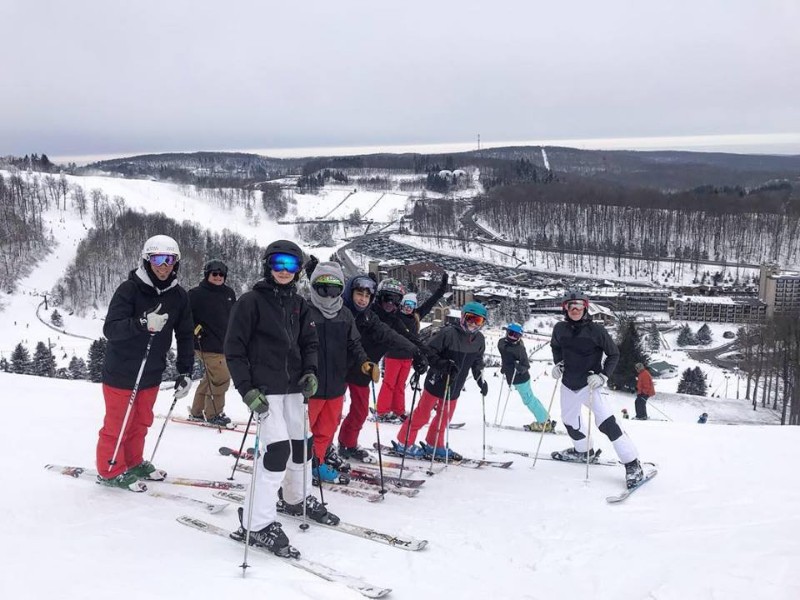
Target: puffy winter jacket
[
  {"x": 376, "y": 338},
  {"x": 410, "y": 323},
  {"x": 127, "y": 337},
  {"x": 464, "y": 349},
  {"x": 514, "y": 361},
  {"x": 339, "y": 349},
  {"x": 211, "y": 308},
  {"x": 581, "y": 345},
  {"x": 271, "y": 340}
]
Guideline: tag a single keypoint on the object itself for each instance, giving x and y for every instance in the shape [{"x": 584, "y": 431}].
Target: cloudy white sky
[{"x": 99, "y": 76}]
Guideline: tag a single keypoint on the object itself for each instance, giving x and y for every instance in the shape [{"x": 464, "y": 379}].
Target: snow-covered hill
[{"x": 717, "y": 522}]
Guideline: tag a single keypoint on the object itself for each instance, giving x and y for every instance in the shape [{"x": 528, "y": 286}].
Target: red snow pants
[
  {"x": 392, "y": 397},
  {"x": 354, "y": 421},
  {"x": 323, "y": 417},
  {"x": 422, "y": 413}
]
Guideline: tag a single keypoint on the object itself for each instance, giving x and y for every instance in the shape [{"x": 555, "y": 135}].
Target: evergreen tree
[
  {"x": 44, "y": 363},
  {"x": 21, "y": 360},
  {"x": 77, "y": 368},
  {"x": 685, "y": 384},
  {"x": 4, "y": 366},
  {"x": 56, "y": 318},
  {"x": 686, "y": 337},
  {"x": 653, "y": 338},
  {"x": 630, "y": 353},
  {"x": 700, "y": 385},
  {"x": 97, "y": 355},
  {"x": 704, "y": 335}
]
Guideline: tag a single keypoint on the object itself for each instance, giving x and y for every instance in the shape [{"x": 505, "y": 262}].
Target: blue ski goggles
[
  {"x": 284, "y": 262},
  {"x": 162, "y": 259}
]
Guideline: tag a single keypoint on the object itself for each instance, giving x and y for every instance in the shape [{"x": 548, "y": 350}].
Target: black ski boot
[
  {"x": 315, "y": 510},
  {"x": 572, "y": 455},
  {"x": 270, "y": 537},
  {"x": 633, "y": 473},
  {"x": 356, "y": 452},
  {"x": 332, "y": 459}
]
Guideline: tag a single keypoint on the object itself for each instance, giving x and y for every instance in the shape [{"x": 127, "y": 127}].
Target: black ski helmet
[
  {"x": 572, "y": 296},
  {"x": 281, "y": 247},
  {"x": 215, "y": 265}
]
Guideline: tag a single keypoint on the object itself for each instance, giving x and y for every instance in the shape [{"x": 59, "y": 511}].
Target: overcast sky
[{"x": 94, "y": 77}]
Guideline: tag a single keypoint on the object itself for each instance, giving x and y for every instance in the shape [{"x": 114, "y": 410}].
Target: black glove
[
  {"x": 503, "y": 370},
  {"x": 256, "y": 401},
  {"x": 311, "y": 264},
  {"x": 419, "y": 363},
  {"x": 483, "y": 385},
  {"x": 182, "y": 385},
  {"x": 448, "y": 367}
]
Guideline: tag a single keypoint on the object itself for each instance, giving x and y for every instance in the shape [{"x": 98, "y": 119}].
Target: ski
[
  {"x": 545, "y": 456},
  {"x": 80, "y": 472},
  {"x": 469, "y": 463},
  {"x": 203, "y": 483},
  {"x": 456, "y": 425},
  {"x": 325, "y": 572},
  {"x": 344, "y": 527},
  {"x": 524, "y": 429},
  {"x": 624, "y": 495},
  {"x": 207, "y": 425}
]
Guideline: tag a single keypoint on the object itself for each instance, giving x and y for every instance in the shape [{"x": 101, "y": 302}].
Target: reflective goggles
[
  {"x": 390, "y": 298},
  {"x": 284, "y": 262},
  {"x": 575, "y": 304},
  {"x": 409, "y": 305},
  {"x": 162, "y": 259},
  {"x": 328, "y": 290},
  {"x": 513, "y": 335},
  {"x": 472, "y": 319}
]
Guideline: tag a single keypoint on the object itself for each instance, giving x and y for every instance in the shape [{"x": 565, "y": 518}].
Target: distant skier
[
  {"x": 625, "y": 414},
  {"x": 515, "y": 366},
  {"x": 146, "y": 308},
  {"x": 644, "y": 390},
  {"x": 453, "y": 351},
  {"x": 211, "y": 302},
  {"x": 578, "y": 346},
  {"x": 703, "y": 419}
]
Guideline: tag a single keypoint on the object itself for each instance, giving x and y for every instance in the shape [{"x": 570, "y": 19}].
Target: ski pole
[
  {"x": 252, "y": 492},
  {"x": 499, "y": 396},
  {"x": 304, "y": 524},
  {"x": 508, "y": 395},
  {"x": 241, "y": 447},
  {"x": 661, "y": 412},
  {"x": 163, "y": 427},
  {"x": 206, "y": 374},
  {"x": 416, "y": 388},
  {"x": 134, "y": 391},
  {"x": 382, "y": 491},
  {"x": 589, "y": 435},
  {"x": 541, "y": 435},
  {"x": 483, "y": 408},
  {"x": 439, "y": 426}
]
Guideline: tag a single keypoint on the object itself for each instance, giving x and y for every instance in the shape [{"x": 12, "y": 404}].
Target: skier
[
  {"x": 625, "y": 414},
  {"x": 644, "y": 390},
  {"x": 453, "y": 351},
  {"x": 703, "y": 419},
  {"x": 515, "y": 366},
  {"x": 578, "y": 345},
  {"x": 376, "y": 339},
  {"x": 144, "y": 312},
  {"x": 211, "y": 304},
  {"x": 400, "y": 311},
  {"x": 339, "y": 347},
  {"x": 271, "y": 349}
]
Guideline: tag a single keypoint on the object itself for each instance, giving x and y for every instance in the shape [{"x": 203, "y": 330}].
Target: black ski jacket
[
  {"x": 514, "y": 361},
  {"x": 211, "y": 308},
  {"x": 271, "y": 340},
  {"x": 410, "y": 323},
  {"x": 339, "y": 349},
  {"x": 408, "y": 329},
  {"x": 581, "y": 345},
  {"x": 465, "y": 349},
  {"x": 127, "y": 337}
]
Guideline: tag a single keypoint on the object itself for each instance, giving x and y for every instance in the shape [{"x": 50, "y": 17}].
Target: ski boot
[
  {"x": 633, "y": 473},
  {"x": 126, "y": 481},
  {"x": 270, "y": 537},
  {"x": 333, "y": 460},
  {"x": 355, "y": 452},
  {"x": 146, "y": 470},
  {"x": 195, "y": 419},
  {"x": 440, "y": 453},
  {"x": 412, "y": 450},
  {"x": 328, "y": 474},
  {"x": 572, "y": 455},
  {"x": 547, "y": 426},
  {"x": 221, "y": 420},
  {"x": 315, "y": 510}
]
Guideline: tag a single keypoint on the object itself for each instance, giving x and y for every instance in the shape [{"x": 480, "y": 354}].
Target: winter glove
[
  {"x": 596, "y": 381},
  {"x": 310, "y": 265},
  {"x": 558, "y": 370},
  {"x": 419, "y": 363},
  {"x": 309, "y": 384},
  {"x": 183, "y": 384},
  {"x": 371, "y": 369},
  {"x": 483, "y": 385},
  {"x": 448, "y": 367},
  {"x": 256, "y": 401},
  {"x": 152, "y": 321}
]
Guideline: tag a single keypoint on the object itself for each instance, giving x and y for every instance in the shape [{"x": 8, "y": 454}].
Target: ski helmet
[
  {"x": 281, "y": 247},
  {"x": 473, "y": 312},
  {"x": 515, "y": 327},
  {"x": 574, "y": 296},
  {"x": 391, "y": 286},
  {"x": 160, "y": 244},
  {"x": 215, "y": 265}
]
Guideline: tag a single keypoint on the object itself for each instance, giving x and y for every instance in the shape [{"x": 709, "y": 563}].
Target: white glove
[
  {"x": 558, "y": 370},
  {"x": 153, "y": 321},
  {"x": 183, "y": 384},
  {"x": 596, "y": 380}
]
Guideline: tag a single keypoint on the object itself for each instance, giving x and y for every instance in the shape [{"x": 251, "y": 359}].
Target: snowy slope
[{"x": 717, "y": 522}]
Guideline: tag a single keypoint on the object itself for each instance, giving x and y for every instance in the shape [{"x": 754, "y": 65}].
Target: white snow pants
[
  {"x": 283, "y": 423},
  {"x": 571, "y": 402}
]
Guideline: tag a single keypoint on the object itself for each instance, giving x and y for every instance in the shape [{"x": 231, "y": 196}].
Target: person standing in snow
[
  {"x": 145, "y": 309},
  {"x": 644, "y": 390},
  {"x": 515, "y": 366},
  {"x": 453, "y": 351},
  {"x": 339, "y": 347},
  {"x": 404, "y": 317},
  {"x": 271, "y": 349},
  {"x": 211, "y": 302},
  {"x": 376, "y": 338},
  {"x": 578, "y": 345}
]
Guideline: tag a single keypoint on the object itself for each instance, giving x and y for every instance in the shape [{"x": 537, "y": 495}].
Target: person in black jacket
[
  {"x": 515, "y": 366},
  {"x": 403, "y": 315},
  {"x": 578, "y": 346},
  {"x": 211, "y": 302},
  {"x": 271, "y": 348},
  {"x": 144, "y": 312},
  {"x": 339, "y": 348},
  {"x": 376, "y": 339}
]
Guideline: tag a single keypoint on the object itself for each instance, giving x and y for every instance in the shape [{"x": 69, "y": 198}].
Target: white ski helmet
[{"x": 160, "y": 244}]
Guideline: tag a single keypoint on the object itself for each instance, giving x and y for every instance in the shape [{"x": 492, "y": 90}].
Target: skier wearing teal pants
[{"x": 515, "y": 367}]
